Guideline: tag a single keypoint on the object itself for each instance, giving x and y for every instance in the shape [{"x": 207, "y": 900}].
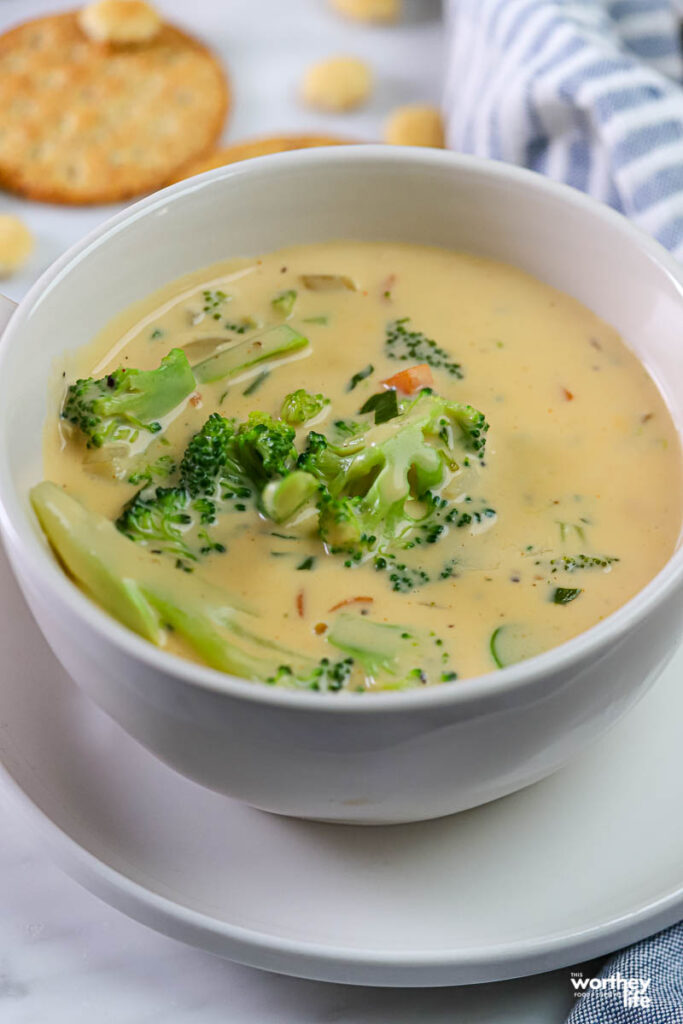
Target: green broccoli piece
[
  {"x": 206, "y": 456},
  {"x": 405, "y": 345},
  {"x": 340, "y": 523},
  {"x": 327, "y": 676},
  {"x": 369, "y": 482},
  {"x": 117, "y": 408},
  {"x": 160, "y": 520},
  {"x": 573, "y": 563},
  {"x": 324, "y": 460},
  {"x": 348, "y": 428},
  {"x": 472, "y": 424},
  {"x": 284, "y": 302},
  {"x": 283, "y": 497},
  {"x": 310, "y": 457},
  {"x": 300, "y": 406},
  {"x": 395, "y": 657},
  {"x": 221, "y": 463},
  {"x": 230, "y": 360},
  {"x": 91, "y": 550},
  {"x": 439, "y": 514},
  {"x": 403, "y": 578},
  {"x": 161, "y": 468},
  {"x": 213, "y": 300},
  {"x": 264, "y": 448},
  {"x": 168, "y": 517},
  {"x": 144, "y": 595}
]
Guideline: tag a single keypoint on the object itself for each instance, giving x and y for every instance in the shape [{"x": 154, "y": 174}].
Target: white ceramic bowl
[{"x": 390, "y": 757}]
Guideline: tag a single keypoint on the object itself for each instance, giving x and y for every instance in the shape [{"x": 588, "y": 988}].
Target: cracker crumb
[
  {"x": 369, "y": 10},
  {"x": 415, "y": 125},
  {"x": 16, "y": 244},
  {"x": 337, "y": 84},
  {"x": 121, "y": 22}
]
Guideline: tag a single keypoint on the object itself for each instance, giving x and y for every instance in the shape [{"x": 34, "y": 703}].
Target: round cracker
[
  {"x": 259, "y": 147},
  {"x": 84, "y": 122}
]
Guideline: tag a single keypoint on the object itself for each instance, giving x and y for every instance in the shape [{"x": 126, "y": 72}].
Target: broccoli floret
[
  {"x": 315, "y": 444},
  {"x": 264, "y": 448},
  {"x": 300, "y": 406},
  {"x": 118, "y": 407},
  {"x": 394, "y": 464},
  {"x": 160, "y": 520},
  {"x": 340, "y": 524},
  {"x": 321, "y": 458},
  {"x": 369, "y": 482},
  {"x": 206, "y": 456},
  {"x": 233, "y": 459},
  {"x": 473, "y": 425},
  {"x": 166, "y": 518},
  {"x": 221, "y": 463},
  {"x": 405, "y": 345},
  {"x": 327, "y": 676},
  {"x": 161, "y": 468}
]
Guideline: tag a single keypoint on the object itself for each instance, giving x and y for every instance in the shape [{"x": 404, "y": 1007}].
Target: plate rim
[{"x": 340, "y": 964}]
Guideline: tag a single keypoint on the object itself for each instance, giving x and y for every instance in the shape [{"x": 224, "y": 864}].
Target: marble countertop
[{"x": 64, "y": 956}]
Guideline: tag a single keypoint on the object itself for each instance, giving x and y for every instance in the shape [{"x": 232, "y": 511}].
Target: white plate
[{"x": 571, "y": 868}]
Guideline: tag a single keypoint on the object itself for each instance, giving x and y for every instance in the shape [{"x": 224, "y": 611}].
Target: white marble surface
[{"x": 64, "y": 956}]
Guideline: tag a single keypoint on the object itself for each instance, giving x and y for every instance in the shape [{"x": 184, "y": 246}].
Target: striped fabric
[{"x": 586, "y": 91}]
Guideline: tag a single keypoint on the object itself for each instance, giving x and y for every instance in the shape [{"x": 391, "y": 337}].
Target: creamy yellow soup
[{"x": 574, "y": 506}]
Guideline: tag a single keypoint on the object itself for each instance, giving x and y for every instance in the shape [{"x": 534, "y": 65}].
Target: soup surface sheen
[{"x": 575, "y": 507}]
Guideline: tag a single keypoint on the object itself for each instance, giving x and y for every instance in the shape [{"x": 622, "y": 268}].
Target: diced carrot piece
[
  {"x": 300, "y": 604},
  {"x": 410, "y": 380}
]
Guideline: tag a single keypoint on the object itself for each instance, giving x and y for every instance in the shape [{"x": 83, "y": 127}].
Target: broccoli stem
[
  {"x": 280, "y": 499},
  {"x": 79, "y": 540},
  {"x": 271, "y": 344},
  {"x": 402, "y": 653},
  {"x": 141, "y": 593}
]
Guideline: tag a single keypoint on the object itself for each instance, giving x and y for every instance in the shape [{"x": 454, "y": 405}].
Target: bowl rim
[{"x": 474, "y": 690}]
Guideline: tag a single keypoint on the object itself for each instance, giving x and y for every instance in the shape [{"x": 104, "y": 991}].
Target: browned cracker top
[
  {"x": 258, "y": 147},
  {"x": 84, "y": 122}
]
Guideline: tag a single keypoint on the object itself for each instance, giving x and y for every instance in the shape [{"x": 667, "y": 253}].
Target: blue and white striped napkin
[
  {"x": 585, "y": 91},
  {"x": 589, "y": 92}
]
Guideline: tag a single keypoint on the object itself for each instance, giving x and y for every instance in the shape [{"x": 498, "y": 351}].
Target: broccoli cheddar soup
[{"x": 359, "y": 466}]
